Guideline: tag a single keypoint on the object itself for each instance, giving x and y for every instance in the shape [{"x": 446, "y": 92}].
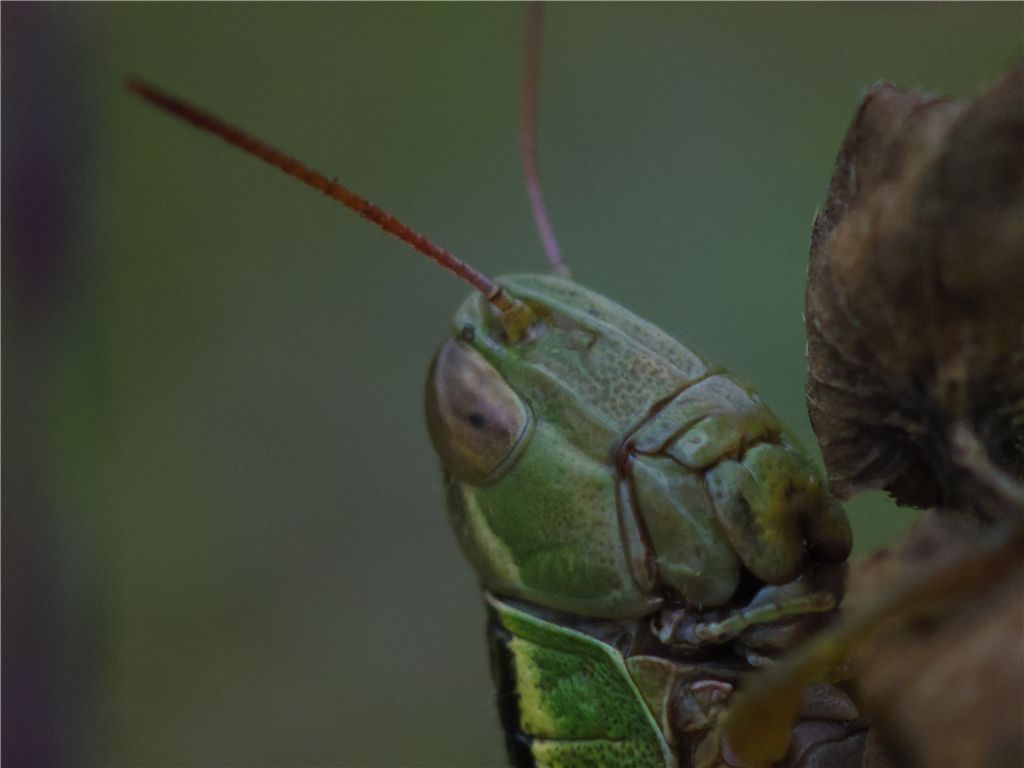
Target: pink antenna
[
  {"x": 235, "y": 136},
  {"x": 528, "y": 137}
]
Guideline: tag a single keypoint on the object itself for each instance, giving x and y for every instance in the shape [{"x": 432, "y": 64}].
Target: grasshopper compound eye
[{"x": 476, "y": 420}]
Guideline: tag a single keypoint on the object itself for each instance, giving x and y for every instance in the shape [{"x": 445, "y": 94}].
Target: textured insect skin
[
  {"x": 566, "y": 697},
  {"x": 644, "y": 529},
  {"x": 607, "y": 482}
]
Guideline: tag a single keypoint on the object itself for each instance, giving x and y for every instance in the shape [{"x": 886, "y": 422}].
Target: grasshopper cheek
[{"x": 476, "y": 420}]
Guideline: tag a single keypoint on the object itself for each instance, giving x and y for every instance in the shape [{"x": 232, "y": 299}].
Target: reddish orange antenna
[
  {"x": 516, "y": 317},
  {"x": 528, "y": 136}
]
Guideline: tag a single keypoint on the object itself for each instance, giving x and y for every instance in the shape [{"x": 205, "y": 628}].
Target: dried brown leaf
[
  {"x": 942, "y": 678},
  {"x": 915, "y": 301}
]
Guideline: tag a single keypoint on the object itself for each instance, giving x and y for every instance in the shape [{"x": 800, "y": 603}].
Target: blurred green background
[{"x": 224, "y": 541}]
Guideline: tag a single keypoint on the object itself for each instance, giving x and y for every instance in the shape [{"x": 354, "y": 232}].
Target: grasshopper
[{"x": 646, "y": 532}]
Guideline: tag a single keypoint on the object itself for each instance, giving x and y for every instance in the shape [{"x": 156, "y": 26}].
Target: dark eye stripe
[{"x": 475, "y": 418}]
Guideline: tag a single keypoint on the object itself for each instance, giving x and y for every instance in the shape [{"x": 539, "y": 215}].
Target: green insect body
[
  {"x": 646, "y": 532},
  {"x": 580, "y": 704},
  {"x": 606, "y": 482}
]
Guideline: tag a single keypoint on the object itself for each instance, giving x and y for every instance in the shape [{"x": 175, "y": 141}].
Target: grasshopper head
[{"x": 594, "y": 465}]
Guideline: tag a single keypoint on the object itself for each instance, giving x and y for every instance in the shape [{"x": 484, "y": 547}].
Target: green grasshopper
[{"x": 646, "y": 532}]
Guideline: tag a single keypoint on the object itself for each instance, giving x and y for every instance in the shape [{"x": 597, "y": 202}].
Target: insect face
[{"x": 599, "y": 467}]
